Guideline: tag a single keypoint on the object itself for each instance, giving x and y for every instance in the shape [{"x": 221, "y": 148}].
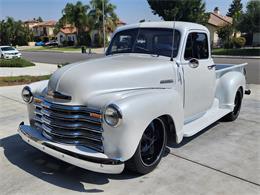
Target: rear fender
[{"x": 227, "y": 86}]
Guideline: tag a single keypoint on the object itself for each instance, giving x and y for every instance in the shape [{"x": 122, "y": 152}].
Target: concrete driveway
[{"x": 223, "y": 159}]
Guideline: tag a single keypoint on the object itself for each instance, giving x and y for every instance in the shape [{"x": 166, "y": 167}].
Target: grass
[
  {"x": 19, "y": 80},
  {"x": 61, "y": 49},
  {"x": 237, "y": 52},
  {"x": 18, "y": 62}
]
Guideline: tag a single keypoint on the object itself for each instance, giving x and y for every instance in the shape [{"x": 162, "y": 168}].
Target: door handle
[
  {"x": 211, "y": 66},
  {"x": 193, "y": 63}
]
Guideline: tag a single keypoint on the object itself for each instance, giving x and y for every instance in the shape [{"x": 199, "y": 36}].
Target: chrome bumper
[{"x": 76, "y": 155}]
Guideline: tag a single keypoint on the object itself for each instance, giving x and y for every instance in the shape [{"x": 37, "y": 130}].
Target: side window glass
[{"x": 196, "y": 46}]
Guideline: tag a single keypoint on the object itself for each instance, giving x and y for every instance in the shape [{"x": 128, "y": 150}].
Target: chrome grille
[{"x": 76, "y": 125}]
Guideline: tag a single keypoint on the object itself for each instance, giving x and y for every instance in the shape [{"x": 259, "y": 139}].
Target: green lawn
[
  {"x": 19, "y": 80},
  {"x": 237, "y": 52},
  {"x": 19, "y": 62}
]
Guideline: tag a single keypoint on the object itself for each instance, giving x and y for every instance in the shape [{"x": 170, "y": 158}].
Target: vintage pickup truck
[{"x": 156, "y": 85}]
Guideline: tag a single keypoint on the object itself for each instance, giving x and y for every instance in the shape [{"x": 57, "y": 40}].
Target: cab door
[{"x": 199, "y": 75}]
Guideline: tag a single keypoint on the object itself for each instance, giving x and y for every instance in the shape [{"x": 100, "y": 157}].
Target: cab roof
[{"x": 181, "y": 26}]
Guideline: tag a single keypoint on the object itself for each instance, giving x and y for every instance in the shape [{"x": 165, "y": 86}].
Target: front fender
[
  {"x": 138, "y": 111},
  {"x": 227, "y": 86},
  {"x": 37, "y": 88}
]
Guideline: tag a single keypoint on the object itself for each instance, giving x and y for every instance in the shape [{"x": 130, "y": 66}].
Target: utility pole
[{"x": 104, "y": 28}]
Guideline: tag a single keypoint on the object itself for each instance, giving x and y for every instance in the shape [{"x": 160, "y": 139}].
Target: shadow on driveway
[
  {"x": 63, "y": 174},
  {"x": 52, "y": 170}
]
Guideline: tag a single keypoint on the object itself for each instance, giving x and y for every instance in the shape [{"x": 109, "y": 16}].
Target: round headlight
[
  {"x": 112, "y": 115},
  {"x": 27, "y": 94}
]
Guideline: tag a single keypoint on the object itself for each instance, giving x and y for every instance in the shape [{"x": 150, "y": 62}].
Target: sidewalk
[{"x": 37, "y": 70}]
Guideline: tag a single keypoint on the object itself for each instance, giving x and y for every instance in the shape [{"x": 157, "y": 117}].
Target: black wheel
[
  {"x": 237, "y": 105},
  {"x": 150, "y": 149}
]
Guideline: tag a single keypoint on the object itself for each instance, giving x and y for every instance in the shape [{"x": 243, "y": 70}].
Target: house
[
  {"x": 67, "y": 34},
  {"x": 44, "y": 29},
  {"x": 256, "y": 39},
  {"x": 216, "y": 21},
  {"x": 30, "y": 23}
]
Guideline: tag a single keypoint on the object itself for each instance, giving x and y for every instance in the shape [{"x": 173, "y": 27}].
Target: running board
[{"x": 211, "y": 116}]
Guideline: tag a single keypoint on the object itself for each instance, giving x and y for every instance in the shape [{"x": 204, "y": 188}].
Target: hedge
[{"x": 18, "y": 62}]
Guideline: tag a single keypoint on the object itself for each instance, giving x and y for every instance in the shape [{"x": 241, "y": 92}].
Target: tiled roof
[
  {"x": 219, "y": 20},
  {"x": 47, "y": 23},
  {"x": 68, "y": 29}
]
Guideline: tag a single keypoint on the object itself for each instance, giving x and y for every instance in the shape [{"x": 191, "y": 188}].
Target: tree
[
  {"x": 185, "y": 10},
  {"x": 14, "y": 32},
  {"x": 235, "y": 7},
  {"x": 250, "y": 20},
  {"x": 40, "y": 19},
  {"x": 235, "y": 11},
  {"x": 96, "y": 18},
  {"x": 76, "y": 15},
  {"x": 225, "y": 34}
]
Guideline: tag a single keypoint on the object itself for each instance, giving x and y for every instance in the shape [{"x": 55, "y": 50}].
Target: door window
[{"x": 196, "y": 46}]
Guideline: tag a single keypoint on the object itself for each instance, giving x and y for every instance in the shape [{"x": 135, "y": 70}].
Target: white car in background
[{"x": 8, "y": 52}]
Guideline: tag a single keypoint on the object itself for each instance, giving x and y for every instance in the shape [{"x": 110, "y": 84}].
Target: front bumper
[
  {"x": 76, "y": 155},
  {"x": 12, "y": 56}
]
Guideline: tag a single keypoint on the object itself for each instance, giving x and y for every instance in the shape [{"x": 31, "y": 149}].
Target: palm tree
[
  {"x": 76, "y": 15},
  {"x": 96, "y": 16}
]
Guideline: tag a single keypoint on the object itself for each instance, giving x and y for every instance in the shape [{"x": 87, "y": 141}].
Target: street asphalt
[
  {"x": 224, "y": 159},
  {"x": 57, "y": 57},
  {"x": 253, "y": 68}
]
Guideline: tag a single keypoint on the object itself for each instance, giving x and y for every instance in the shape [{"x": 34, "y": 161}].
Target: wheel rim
[
  {"x": 237, "y": 103},
  {"x": 152, "y": 142}
]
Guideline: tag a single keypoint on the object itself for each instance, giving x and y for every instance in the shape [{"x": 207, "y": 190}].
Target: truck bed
[{"x": 223, "y": 68}]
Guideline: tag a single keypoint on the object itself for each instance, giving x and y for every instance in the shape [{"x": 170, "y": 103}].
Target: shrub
[
  {"x": 19, "y": 62},
  {"x": 228, "y": 45},
  {"x": 239, "y": 42}
]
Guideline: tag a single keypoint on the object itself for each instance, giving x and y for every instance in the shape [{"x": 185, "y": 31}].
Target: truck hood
[{"x": 123, "y": 72}]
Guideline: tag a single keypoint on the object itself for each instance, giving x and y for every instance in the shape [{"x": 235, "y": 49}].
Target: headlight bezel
[
  {"x": 116, "y": 112},
  {"x": 27, "y": 89}
]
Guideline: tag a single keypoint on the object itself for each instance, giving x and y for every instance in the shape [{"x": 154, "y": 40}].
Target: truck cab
[{"x": 156, "y": 84}]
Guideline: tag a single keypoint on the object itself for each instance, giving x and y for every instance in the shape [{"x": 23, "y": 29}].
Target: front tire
[
  {"x": 150, "y": 149},
  {"x": 237, "y": 106}
]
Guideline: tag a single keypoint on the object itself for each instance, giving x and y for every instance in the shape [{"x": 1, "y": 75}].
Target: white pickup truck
[{"x": 156, "y": 85}]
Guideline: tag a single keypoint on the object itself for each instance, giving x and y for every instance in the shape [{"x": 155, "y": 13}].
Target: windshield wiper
[{"x": 142, "y": 48}]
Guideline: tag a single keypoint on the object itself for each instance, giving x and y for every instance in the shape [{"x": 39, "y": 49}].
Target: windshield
[
  {"x": 7, "y": 49},
  {"x": 156, "y": 41}
]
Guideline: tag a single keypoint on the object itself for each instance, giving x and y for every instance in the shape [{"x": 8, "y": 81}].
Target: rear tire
[
  {"x": 150, "y": 149},
  {"x": 237, "y": 105}
]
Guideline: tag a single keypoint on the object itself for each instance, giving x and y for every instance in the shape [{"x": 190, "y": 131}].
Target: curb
[{"x": 238, "y": 57}]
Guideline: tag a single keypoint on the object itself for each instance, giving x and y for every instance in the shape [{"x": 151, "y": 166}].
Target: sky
[{"x": 129, "y": 11}]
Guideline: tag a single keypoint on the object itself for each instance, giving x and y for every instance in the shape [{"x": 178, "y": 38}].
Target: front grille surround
[{"x": 69, "y": 124}]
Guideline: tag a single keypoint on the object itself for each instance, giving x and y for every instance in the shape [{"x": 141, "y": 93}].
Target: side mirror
[{"x": 193, "y": 63}]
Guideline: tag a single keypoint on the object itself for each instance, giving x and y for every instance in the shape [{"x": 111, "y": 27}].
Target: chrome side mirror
[{"x": 193, "y": 63}]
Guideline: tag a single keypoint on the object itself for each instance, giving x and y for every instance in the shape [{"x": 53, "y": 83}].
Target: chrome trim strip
[
  {"x": 73, "y": 126},
  {"x": 71, "y": 134},
  {"x": 79, "y": 117},
  {"x": 58, "y": 107},
  {"x": 84, "y": 142}
]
